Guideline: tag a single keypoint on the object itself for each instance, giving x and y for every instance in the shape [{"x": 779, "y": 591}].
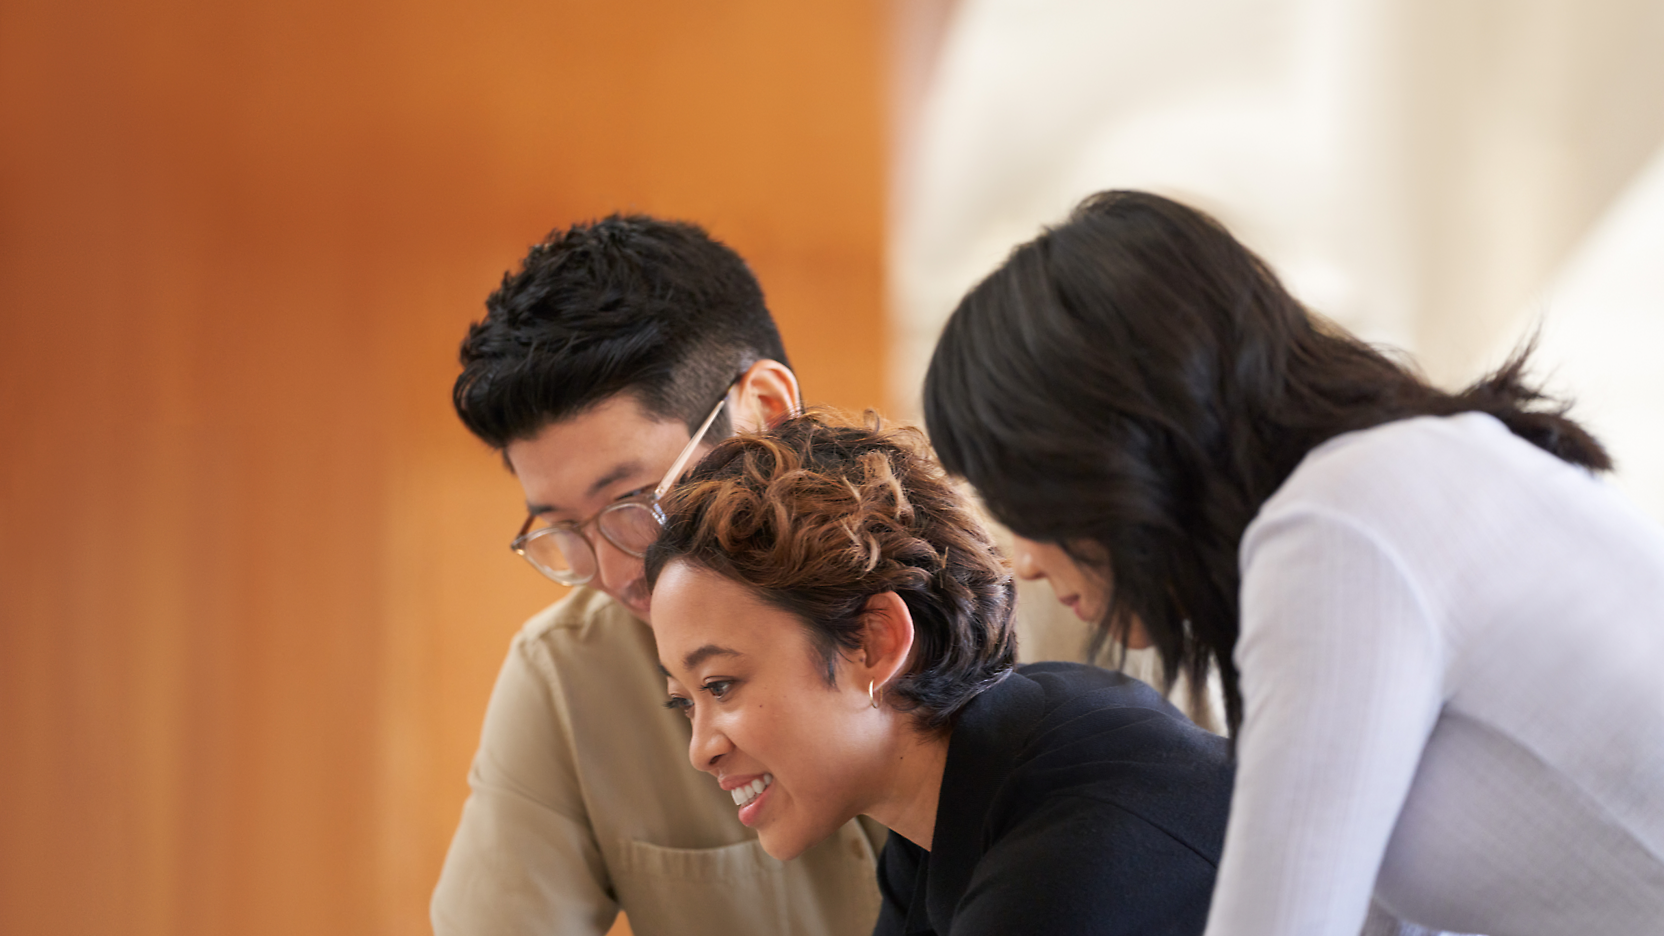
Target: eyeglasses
[{"x": 564, "y": 553}]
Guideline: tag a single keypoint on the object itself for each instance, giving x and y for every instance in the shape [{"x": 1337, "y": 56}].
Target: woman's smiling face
[{"x": 764, "y": 718}]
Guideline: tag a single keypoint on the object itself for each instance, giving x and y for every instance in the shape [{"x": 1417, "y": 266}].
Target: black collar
[{"x": 987, "y": 738}]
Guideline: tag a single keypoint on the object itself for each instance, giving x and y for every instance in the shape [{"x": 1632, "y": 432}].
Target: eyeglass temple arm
[
  {"x": 796, "y": 409},
  {"x": 687, "y": 453}
]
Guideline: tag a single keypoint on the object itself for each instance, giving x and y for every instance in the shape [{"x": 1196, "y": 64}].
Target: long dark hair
[{"x": 1134, "y": 384}]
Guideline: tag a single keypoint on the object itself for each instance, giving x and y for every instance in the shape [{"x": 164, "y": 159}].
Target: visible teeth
[{"x": 743, "y": 795}]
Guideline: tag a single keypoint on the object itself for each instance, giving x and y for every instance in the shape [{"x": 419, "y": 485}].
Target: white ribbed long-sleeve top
[{"x": 1452, "y": 664}]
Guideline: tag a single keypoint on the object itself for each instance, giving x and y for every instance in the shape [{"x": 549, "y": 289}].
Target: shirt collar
[{"x": 987, "y": 738}]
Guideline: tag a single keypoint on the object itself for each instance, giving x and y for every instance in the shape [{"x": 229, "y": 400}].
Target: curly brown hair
[{"x": 821, "y": 513}]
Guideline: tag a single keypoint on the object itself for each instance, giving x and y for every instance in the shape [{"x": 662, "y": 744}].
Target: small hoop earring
[{"x": 872, "y": 695}]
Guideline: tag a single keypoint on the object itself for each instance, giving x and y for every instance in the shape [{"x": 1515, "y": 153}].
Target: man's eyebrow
[
  {"x": 705, "y": 653},
  {"x": 617, "y": 473}
]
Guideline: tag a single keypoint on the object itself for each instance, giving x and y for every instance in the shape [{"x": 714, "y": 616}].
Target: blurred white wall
[
  {"x": 1602, "y": 340},
  {"x": 1436, "y": 174}
]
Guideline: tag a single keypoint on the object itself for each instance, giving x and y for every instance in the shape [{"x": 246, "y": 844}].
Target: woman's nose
[
  {"x": 1023, "y": 564},
  {"x": 707, "y": 745}
]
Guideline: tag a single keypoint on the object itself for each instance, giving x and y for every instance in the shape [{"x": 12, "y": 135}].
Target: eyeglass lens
[
  {"x": 560, "y": 553},
  {"x": 567, "y": 556},
  {"x": 631, "y": 527}
]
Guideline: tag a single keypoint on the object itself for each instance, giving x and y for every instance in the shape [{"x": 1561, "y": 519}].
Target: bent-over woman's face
[
  {"x": 800, "y": 757},
  {"x": 1085, "y": 589}
]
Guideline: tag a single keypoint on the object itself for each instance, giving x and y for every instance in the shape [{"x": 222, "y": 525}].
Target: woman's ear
[
  {"x": 765, "y": 394},
  {"x": 886, "y": 639}
]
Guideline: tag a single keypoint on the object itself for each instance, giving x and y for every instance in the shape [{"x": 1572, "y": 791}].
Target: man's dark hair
[{"x": 658, "y": 309}]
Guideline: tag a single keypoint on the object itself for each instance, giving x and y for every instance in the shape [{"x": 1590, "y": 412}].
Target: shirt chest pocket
[{"x": 728, "y": 890}]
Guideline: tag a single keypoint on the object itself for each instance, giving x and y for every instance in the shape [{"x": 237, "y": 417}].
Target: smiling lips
[{"x": 743, "y": 795}]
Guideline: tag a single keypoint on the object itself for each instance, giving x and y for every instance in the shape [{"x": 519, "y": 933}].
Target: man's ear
[
  {"x": 886, "y": 639},
  {"x": 765, "y": 394}
]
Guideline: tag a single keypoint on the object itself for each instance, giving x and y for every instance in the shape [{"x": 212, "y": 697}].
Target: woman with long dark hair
[{"x": 1441, "y": 635}]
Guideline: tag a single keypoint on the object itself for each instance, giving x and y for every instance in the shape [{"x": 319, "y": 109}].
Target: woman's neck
[{"x": 912, "y": 786}]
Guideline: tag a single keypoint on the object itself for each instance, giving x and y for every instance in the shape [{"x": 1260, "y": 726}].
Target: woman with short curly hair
[{"x": 837, "y": 626}]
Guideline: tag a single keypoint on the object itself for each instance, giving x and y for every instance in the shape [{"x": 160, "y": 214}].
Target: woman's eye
[
  {"x": 680, "y": 704},
  {"x": 718, "y": 687}
]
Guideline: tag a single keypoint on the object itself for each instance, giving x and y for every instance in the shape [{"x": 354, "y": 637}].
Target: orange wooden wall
[{"x": 253, "y": 577}]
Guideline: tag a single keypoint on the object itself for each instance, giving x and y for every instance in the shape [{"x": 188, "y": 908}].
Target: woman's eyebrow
[{"x": 706, "y": 652}]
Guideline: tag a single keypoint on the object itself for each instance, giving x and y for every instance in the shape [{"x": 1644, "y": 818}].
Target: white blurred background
[{"x": 1441, "y": 175}]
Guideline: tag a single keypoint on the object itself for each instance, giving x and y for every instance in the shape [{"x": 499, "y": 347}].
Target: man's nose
[{"x": 615, "y": 568}]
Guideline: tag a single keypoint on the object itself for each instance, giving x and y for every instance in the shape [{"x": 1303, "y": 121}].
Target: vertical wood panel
[{"x": 253, "y": 583}]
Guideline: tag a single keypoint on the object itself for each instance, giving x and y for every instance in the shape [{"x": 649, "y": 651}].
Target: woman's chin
[{"x": 780, "y": 848}]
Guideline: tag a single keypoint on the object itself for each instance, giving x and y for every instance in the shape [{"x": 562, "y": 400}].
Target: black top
[{"x": 1075, "y": 800}]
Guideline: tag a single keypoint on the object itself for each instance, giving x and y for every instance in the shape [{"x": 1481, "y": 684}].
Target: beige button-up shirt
[{"x": 584, "y": 803}]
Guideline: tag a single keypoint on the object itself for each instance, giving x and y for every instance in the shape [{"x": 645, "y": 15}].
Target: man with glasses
[{"x": 613, "y": 360}]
